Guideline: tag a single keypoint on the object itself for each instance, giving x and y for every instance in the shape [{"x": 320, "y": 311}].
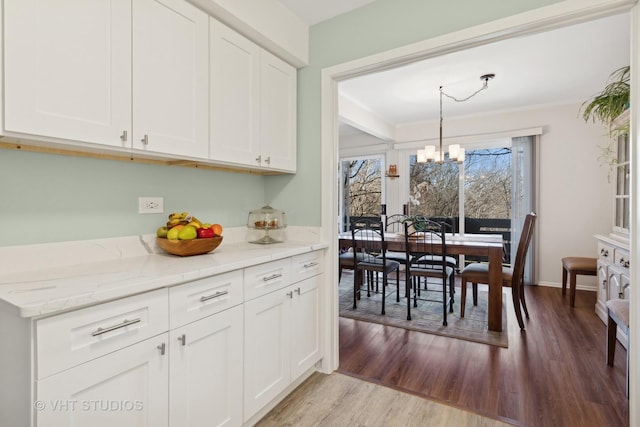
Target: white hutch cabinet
[{"x": 613, "y": 250}]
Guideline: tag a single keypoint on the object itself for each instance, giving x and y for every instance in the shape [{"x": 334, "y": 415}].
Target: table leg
[{"x": 495, "y": 289}]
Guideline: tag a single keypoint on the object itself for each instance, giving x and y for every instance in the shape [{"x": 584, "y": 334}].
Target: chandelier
[{"x": 456, "y": 153}]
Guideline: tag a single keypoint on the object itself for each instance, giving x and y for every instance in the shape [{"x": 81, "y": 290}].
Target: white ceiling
[{"x": 570, "y": 64}]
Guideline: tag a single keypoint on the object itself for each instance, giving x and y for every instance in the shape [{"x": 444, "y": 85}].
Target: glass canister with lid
[{"x": 266, "y": 218}]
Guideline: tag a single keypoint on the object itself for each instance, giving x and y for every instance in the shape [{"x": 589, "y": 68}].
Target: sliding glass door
[{"x": 491, "y": 192}]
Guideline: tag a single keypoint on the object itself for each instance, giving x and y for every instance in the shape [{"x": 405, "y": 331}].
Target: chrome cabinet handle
[
  {"x": 123, "y": 137},
  {"x": 311, "y": 264},
  {"x": 125, "y": 323},
  {"x": 273, "y": 276},
  {"x": 259, "y": 159},
  {"x": 145, "y": 140},
  {"x": 290, "y": 294},
  {"x": 216, "y": 295},
  {"x": 183, "y": 339},
  {"x": 268, "y": 160},
  {"x": 162, "y": 347},
  {"x": 298, "y": 291}
]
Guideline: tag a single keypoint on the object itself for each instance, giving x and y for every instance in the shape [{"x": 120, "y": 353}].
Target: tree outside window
[{"x": 361, "y": 188}]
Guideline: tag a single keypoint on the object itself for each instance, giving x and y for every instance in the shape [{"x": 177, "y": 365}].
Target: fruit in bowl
[{"x": 186, "y": 235}]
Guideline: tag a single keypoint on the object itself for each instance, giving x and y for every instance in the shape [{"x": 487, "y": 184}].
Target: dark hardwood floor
[{"x": 553, "y": 374}]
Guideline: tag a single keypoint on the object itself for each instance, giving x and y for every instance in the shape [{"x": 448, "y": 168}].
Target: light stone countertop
[{"x": 46, "y": 279}]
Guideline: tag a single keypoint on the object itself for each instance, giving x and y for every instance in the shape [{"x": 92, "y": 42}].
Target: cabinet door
[
  {"x": 613, "y": 284},
  {"x": 127, "y": 388},
  {"x": 603, "y": 277},
  {"x": 206, "y": 371},
  {"x": 170, "y": 77},
  {"x": 67, "y": 69},
  {"x": 278, "y": 120},
  {"x": 305, "y": 325},
  {"x": 234, "y": 95},
  {"x": 267, "y": 349}
]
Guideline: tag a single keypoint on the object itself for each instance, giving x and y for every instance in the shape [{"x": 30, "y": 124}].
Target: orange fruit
[{"x": 217, "y": 229}]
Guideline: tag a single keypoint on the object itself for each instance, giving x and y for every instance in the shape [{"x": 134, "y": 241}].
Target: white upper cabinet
[
  {"x": 253, "y": 103},
  {"x": 159, "y": 78},
  {"x": 170, "y": 77},
  {"x": 278, "y": 124},
  {"x": 67, "y": 67},
  {"x": 234, "y": 91}
]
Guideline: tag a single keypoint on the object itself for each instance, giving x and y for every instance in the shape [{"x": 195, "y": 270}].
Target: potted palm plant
[
  {"x": 609, "y": 104},
  {"x": 611, "y": 107}
]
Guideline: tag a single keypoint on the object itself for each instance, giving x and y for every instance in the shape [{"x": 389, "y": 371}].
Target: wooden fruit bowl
[{"x": 189, "y": 247}]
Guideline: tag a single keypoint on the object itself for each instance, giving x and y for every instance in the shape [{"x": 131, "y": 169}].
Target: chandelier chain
[{"x": 484, "y": 86}]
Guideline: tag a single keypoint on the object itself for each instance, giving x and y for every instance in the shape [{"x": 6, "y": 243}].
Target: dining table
[{"x": 490, "y": 246}]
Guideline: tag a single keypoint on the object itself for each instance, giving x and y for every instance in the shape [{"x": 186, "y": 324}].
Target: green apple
[
  {"x": 162, "y": 232},
  {"x": 188, "y": 232},
  {"x": 172, "y": 234}
]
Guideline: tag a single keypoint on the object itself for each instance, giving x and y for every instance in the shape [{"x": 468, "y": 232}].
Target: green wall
[
  {"x": 47, "y": 198},
  {"x": 374, "y": 28}
]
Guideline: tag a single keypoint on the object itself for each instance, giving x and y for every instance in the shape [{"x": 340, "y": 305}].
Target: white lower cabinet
[
  {"x": 281, "y": 341},
  {"x": 211, "y": 352},
  {"x": 127, "y": 388},
  {"x": 206, "y": 371},
  {"x": 305, "y": 326}
]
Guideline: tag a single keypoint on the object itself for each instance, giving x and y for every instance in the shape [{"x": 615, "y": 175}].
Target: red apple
[{"x": 204, "y": 233}]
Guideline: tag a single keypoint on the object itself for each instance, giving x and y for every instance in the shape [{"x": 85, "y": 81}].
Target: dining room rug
[{"x": 427, "y": 317}]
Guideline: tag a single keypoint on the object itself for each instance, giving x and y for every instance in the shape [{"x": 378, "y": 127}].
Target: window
[
  {"x": 495, "y": 196},
  {"x": 361, "y": 188}
]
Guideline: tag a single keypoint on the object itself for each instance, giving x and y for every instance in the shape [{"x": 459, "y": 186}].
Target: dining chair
[
  {"x": 425, "y": 240},
  {"x": 437, "y": 259},
  {"x": 511, "y": 277},
  {"x": 368, "y": 242},
  {"x": 395, "y": 224}
]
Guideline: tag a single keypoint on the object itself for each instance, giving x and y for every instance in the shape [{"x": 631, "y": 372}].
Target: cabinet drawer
[
  {"x": 605, "y": 252},
  {"x": 621, "y": 258},
  {"x": 306, "y": 265},
  {"x": 75, "y": 337},
  {"x": 201, "y": 298},
  {"x": 264, "y": 278}
]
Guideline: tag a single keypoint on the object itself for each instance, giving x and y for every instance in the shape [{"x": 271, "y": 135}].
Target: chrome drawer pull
[
  {"x": 183, "y": 339},
  {"x": 162, "y": 347},
  {"x": 273, "y": 276},
  {"x": 298, "y": 291},
  {"x": 216, "y": 295},
  {"x": 125, "y": 323},
  {"x": 311, "y": 264}
]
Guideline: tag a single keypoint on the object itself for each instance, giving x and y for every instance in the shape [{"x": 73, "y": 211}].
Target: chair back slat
[
  {"x": 521, "y": 253},
  {"x": 395, "y": 223},
  {"x": 368, "y": 239}
]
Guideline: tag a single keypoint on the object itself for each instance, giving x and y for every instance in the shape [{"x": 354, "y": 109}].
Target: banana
[
  {"x": 196, "y": 221},
  {"x": 175, "y": 221},
  {"x": 175, "y": 215}
]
